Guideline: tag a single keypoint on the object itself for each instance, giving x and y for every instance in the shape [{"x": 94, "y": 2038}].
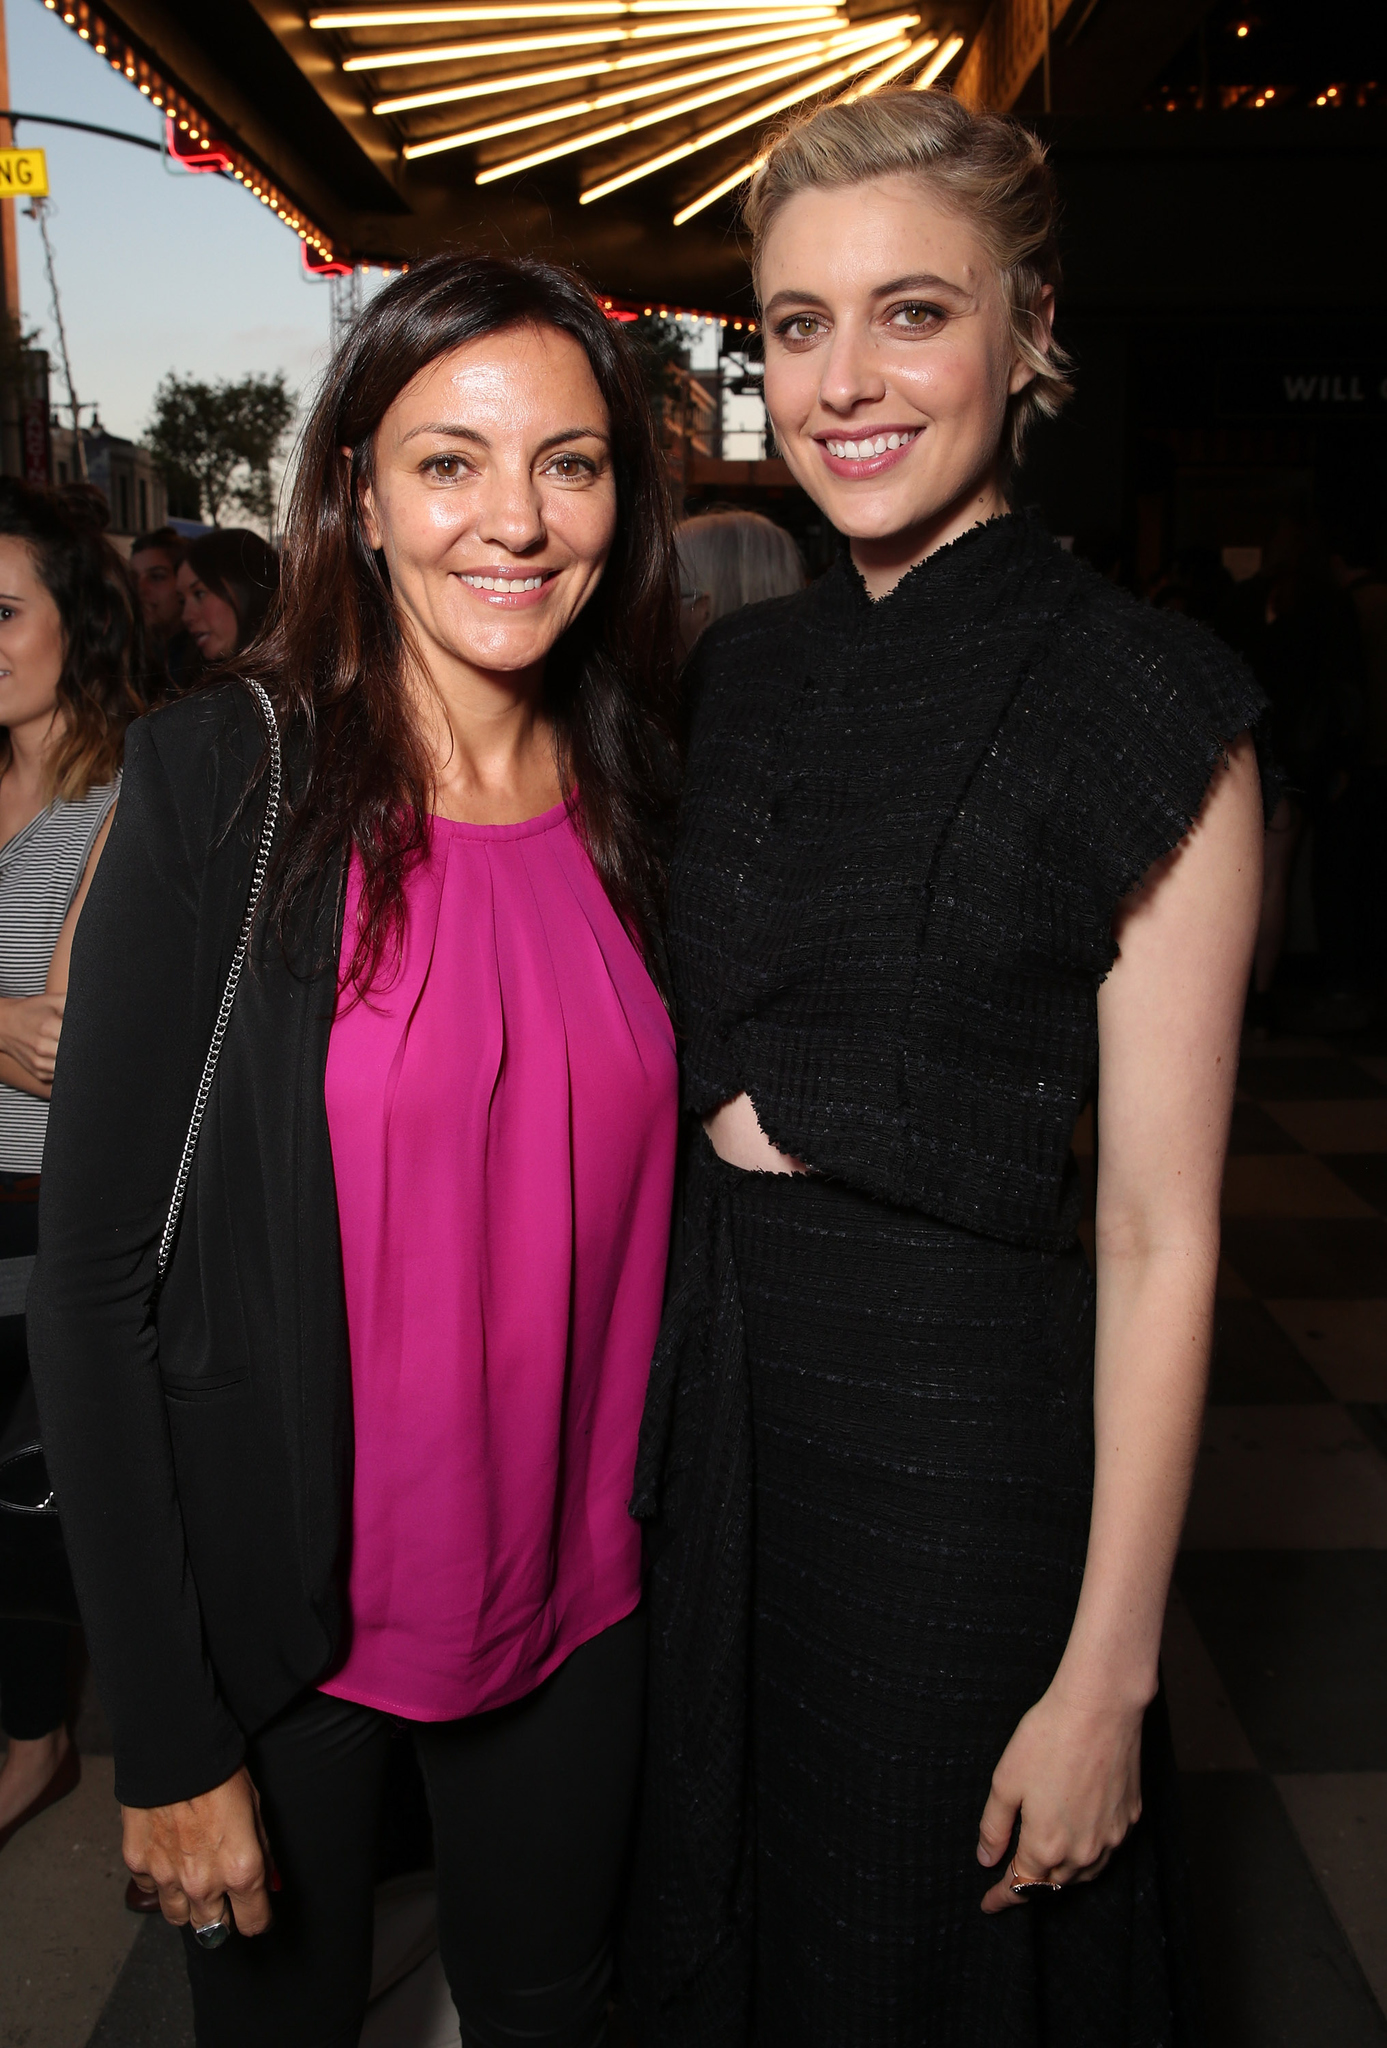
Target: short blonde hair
[
  {"x": 987, "y": 168},
  {"x": 736, "y": 558}
]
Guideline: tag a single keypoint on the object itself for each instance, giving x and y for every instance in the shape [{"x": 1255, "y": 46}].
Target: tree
[
  {"x": 215, "y": 444},
  {"x": 662, "y": 347}
]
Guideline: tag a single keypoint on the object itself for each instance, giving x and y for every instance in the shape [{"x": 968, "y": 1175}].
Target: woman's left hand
[{"x": 1072, "y": 1771}]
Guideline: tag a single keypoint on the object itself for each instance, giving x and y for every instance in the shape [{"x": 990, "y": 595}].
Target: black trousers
[
  {"x": 33, "y": 1654},
  {"x": 33, "y": 1678},
  {"x": 532, "y": 1807}
]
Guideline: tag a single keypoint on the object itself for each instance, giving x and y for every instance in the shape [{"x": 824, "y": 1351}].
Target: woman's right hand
[
  {"x": 30, "y": 1027},
  {"x": 204, "y": 1856}
]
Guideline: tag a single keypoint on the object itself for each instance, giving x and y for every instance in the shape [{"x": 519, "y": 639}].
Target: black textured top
[{"x": 906, "y": 828}]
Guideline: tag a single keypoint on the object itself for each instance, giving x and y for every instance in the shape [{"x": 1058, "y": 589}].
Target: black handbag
[{"x": 35, "y": 1581}]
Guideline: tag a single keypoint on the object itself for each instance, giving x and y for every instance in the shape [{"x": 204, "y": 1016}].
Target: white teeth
[
  {"x": 862, "y": 451},
  {"x": 506, "y": 585}
]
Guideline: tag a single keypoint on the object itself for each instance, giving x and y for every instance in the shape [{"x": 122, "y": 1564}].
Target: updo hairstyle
[{"x": 986, "y": 168}]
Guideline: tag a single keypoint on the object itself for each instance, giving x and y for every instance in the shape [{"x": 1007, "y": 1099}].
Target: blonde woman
[{"x": 962, "y": 823}]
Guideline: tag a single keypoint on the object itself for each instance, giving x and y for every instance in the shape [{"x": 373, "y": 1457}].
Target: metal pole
[
  {"x": 38, "y": 210},
  {"x": 346, "y": 298}
]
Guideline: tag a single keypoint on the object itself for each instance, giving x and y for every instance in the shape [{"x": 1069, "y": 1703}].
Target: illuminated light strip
[
  {"x": 597, "y": 103},
  {"x": 806, "y": 90},
  {"x": 749, "y": 8},
  {"x": 939, "y": 62},
  {"x": 500, "y": 46},
  {"x": 947, "y": 52},
  {"x": 428, "y": 17},
  {"x": 727, "y": 184},
  {"x": 872, "y": 35},
  {"x": 587, "y": 67},
  {"x": 912, "y": 54},
  {"x": 520, "y": 10}
]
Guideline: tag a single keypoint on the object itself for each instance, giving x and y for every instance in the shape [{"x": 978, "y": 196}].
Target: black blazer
[{"x": 199, "y": 1434}]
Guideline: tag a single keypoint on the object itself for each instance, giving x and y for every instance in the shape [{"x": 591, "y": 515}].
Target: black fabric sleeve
[
  {"x": 132, "y": 1045},
  {"x": 1164, "y": 701}
]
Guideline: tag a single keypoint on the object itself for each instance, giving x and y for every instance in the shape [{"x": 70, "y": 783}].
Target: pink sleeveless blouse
[{"x": 502, "y": 1117}]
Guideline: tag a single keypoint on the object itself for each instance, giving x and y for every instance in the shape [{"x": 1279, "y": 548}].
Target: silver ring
[{"x": 214, "y": 1933}]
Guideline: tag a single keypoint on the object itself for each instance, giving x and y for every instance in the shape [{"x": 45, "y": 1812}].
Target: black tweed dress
[{"x": 867, "y": 1459}]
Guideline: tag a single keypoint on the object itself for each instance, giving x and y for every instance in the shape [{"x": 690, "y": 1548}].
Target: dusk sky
[{"x": 158, "y": 269}]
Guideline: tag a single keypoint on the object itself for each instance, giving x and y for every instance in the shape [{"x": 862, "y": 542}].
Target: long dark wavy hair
[
  {"x": 103, "y": 645},
  {"x": 333, "y": 659},
  {"x": 243, "y": 570}
]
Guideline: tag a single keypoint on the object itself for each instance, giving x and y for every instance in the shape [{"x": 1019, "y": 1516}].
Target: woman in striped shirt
[{"x": 68, "y": 652}]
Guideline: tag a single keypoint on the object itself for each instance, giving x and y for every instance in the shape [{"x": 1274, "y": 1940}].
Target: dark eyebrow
[
  {"x": 924, "y": 280},
  {"x": 5, "y": 598},
  {"x": 459, "y": 433},
  {"x": 575, "y": 434}
]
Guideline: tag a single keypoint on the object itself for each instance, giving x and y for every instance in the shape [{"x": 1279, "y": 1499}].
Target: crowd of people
[{"x": 536, "y": 1093}]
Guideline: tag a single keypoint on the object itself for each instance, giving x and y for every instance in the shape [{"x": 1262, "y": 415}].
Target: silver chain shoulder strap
[{"x": 238, "y": 961}]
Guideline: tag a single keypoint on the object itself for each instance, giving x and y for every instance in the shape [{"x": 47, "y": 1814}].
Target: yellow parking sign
[{"x": 23, "y": 174}]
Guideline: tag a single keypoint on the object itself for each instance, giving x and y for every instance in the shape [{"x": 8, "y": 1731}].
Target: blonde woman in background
[
  {"x": 727, "y": 560},
  {"x": 958, "y": 819}
]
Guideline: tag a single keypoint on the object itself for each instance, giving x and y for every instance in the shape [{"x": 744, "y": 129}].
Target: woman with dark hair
[
  {"x": 229, "y": 581},
  {"x": 364, "y": 1456},
  {"x": 69, "y": 645}
]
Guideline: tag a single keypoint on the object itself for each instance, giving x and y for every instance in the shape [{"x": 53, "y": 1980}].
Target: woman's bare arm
[
  {"x": 56, "y": 984},
  {"x": 30, "y": 1026},
  {"x": 1169, "y": 1017},
  {"x": 29, "y": 1030}
]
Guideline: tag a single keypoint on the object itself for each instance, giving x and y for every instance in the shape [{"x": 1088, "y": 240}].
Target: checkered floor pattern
[{"x": 1276, "y": 1644}]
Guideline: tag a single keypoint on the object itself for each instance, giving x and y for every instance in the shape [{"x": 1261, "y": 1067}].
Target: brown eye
[{"x": 917, "y": 316}]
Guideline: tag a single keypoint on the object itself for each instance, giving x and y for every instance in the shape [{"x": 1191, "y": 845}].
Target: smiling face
[
  {"x": 209, "y": 618},
  {"x": 889, "y": 364},
  {"x": 156, "y": 587},
  {"x": 493, "y": 500},
  {"x": 32, "y": 645}
]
